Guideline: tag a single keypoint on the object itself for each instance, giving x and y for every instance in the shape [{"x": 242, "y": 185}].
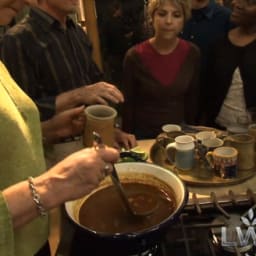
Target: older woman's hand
[
  {"x": 72, "y": 178},
  {"x": 76, "y": 175}
]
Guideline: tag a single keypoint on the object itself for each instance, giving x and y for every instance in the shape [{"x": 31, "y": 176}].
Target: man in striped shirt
[{"x": 49, "y": 56}]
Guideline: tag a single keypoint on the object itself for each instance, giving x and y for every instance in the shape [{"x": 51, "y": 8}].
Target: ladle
[{"x": 131, "y": 206}]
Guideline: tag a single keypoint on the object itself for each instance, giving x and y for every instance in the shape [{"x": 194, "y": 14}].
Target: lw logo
[{"x": 241, "y": 236}]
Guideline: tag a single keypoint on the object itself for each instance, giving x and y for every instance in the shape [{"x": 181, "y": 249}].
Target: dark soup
[{"x": 104, "y": 211}]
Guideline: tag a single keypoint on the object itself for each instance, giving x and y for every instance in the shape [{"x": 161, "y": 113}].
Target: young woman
[
  {"x": 230, "y": 90},
  {"x": 161, "y": 74}
]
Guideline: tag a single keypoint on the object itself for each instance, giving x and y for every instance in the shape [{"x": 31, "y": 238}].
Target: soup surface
[{"x": 104, "y": 210}]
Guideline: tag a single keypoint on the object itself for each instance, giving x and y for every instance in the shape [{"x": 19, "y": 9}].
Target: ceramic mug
[
  {"x": 236, "y": 129},
  {"x": 171, "y": 128},
  {"x": 224, "y": 161},
  {"x": 101, "y": 119},
  {"x": 211, "y": 144},
  {"x": 205, "y": 135},
  {"x": 181, "y": 152},
  {"x": 252, "y": 132},
  {"x": 170, "y": 132},
  {"x": 208, "y": 145},
  {"x": 244, "y": 144}
]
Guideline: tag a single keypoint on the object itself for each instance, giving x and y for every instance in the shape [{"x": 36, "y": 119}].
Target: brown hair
[{"x": 154, "y": 4}]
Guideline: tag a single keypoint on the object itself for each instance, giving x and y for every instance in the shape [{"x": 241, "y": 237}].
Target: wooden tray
[
  {"x": 199, "y": 175},
  {"x": 192, "y": 130}
]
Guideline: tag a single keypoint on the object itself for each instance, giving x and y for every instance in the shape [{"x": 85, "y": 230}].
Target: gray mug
[{"x": 244, "y": 144}]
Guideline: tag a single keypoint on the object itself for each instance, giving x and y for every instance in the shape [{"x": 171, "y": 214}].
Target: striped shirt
[{"x": 46, "y": 59}]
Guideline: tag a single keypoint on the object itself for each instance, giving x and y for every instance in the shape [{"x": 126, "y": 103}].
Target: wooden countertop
[{"x": 61, "y": 150}]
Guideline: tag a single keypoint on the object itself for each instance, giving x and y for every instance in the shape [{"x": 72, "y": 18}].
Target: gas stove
[
  {"x": 209, "y": 226},
  {"x": 214, "y": 226}
]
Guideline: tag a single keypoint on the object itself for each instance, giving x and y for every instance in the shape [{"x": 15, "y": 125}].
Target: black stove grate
[{"x": 193, "y": 236}]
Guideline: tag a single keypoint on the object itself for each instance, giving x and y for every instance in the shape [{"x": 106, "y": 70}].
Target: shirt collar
[{"x": 45, "y": 19}]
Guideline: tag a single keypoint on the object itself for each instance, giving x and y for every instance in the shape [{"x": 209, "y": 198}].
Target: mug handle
[
  {"x": 228, "y": 141},
  {"x": 209, "y": 158},
  {"x": 171, "y": 151},
  {"x": 164, "y": 140}
]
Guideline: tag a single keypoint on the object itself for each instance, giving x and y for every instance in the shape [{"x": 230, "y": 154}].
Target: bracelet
[{"x": 36, "y": 197}]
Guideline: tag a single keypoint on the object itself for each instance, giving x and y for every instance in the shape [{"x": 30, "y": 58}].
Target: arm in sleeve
[
  {"x": 192, "y": 95},
  {"x": 94, "y": 72},
  {"x": 23, "y": 70},
  {"x": 213, "y": 93},
  {"x": 6, "y": 227},
  {"x": 128, "y": 109}
]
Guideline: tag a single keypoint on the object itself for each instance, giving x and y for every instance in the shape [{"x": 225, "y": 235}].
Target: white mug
[{"x": 181, "y": 152}]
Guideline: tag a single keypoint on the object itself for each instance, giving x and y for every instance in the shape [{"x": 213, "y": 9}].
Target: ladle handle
[
  {"x": 97, "y": 140},
  {"x": 115, "y": 179},
  {"x": 114, "y": 176}
]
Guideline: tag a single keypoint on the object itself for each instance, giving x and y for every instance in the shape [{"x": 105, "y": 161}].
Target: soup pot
[{"x": 93, "y": 243}]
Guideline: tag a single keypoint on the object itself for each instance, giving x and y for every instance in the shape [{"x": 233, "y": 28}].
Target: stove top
[
  {"x": 214, "y": 226},
  {"x": 209, "y": 226}
]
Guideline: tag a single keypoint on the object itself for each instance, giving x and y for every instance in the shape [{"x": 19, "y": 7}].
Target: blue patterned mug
[{"x": 224, "y": 161}]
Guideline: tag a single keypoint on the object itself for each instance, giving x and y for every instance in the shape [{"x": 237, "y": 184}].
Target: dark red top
[
  {"x": 159, "y": 65},
  {"x": 150, "y": 103}
]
